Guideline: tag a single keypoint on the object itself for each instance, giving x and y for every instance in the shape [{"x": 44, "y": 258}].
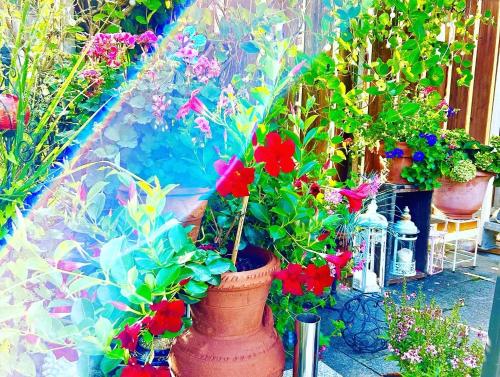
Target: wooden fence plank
[
  {"x": 459, "y": 95},
  {"x": 484, "y": 75}
]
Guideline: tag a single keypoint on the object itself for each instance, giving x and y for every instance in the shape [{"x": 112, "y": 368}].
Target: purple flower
[
  {"x": 205, "y": 69},
  {"x": 418, "y": 156},
  {"x": 395, "y": 153},
  {"x": 431, "y": 138},
  {"x": 147, "y": 38},
  {"x": 451, "y": 112}
]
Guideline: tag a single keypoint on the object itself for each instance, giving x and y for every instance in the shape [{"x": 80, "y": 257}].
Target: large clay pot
[
  {"x": 461, "y": 200},
  {"x": 396, "y": 165},
  {"x": 189, "y": 205},
  {"x": 233, "y": 331}
]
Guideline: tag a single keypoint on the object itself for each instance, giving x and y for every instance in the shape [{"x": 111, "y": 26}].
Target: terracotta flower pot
[
  {"x": 461, "y": 200},
  {"x": 233, "y": 330},
  {"x": 189, "y": 205},
  {"x": 396, "y": 165}
]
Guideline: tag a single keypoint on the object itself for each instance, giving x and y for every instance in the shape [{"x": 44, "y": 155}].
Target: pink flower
[
  {"x": 296, "y": 69},
  {"x": 147, "y": 38},
  {"x": 204, "y": 126},
  {"x": 187, "y": 53},
  {"x": 428, "y": 90},
  {"x": 205, "y": 69},
  {"x": 193, "y": 104},
  {"x": 333, "y": 196},
  {"x": 356, "y": 196}
]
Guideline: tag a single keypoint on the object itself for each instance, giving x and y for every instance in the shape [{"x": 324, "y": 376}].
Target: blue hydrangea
[
  {"x": 395, "y": 153},
  {"x": 418, "y": 156}
]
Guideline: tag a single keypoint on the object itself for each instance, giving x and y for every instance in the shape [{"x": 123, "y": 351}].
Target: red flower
[
  {"x": 163, "y": 372},
  {"x": 8, "y": 112},
  {"x": 183, "y": 282},
  {"x": 276, "y": 154},
  {"x": 298, "y": 182},
  {"x": 339, "y": 260},
  {"x": 317, "y": 279},
  {"x": 235, "y": 177},
  {"x": 315, "y": 189},
  {"x": 130, "y": 336},
  {"x": 135, "y": 370},
  {"x": 193, "y": 104},
  {"x": 324, "y": 235},
  {"x": 168, "y": 317},
  {"x": 292, "y": 279},
  {"x": 356, "y": 196}
]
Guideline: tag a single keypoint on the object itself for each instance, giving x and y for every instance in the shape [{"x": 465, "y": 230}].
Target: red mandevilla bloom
[
  {"x": 292, "y": 279},
  {"x": 339, "y": 260},
  {"x": 235, "y": 177},
  {"x": 8, "y": 112},
  {"x": 130, "y": 336},
  {"x": 277, "y": 155},
  {"x": 317, "y": 279},
  {"x": 135, "y": 370},
  {"x": 356, "y": 196},
  {"x": 168, "y": 317}
]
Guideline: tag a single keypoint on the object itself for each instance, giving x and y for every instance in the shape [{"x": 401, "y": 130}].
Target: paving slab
[{"x": 323, "y": 371}]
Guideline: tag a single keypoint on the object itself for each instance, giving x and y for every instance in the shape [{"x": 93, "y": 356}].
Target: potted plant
[
  {"x": 410, "y": 138},
  {"x": 425, "y": 341},
  {"x": 467, "y": 169}
]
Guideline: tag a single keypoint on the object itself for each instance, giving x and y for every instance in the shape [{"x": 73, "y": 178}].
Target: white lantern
[
  {"x": 405, "y": 237},
  {"x": 436, "y": 252},
  {"x": 371, "y": 240}
]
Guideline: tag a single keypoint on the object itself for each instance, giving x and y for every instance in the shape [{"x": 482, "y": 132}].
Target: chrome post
[{"x": 305, "y": 360}]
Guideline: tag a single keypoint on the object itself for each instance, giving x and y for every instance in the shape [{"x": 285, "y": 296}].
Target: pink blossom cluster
[
  {"x": 333, "y": 196},
  {"x": 94, "y": 81},
  {"x": 470, "y": 361},
  {"x": 148, "y": 38},
  {"x": 412, "y": 356},
  {"x": 204, "y": 126},
  {"x": 159, "y": 106},
  {"x": 206, "y": 69},
  {"x": 110, "y": 47},
  {"x": 431, "y": 349},
  {"x": 359, "y": 266},
  {"x": 186, "y": 50}
]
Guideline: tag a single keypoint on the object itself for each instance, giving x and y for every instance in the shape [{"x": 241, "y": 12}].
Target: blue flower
[
  {"x": 431, "y": 138},
  {"x": 418, "y": 156},
  {"x": 450, "y": 112},
  {"x": 395, "y": 153}
]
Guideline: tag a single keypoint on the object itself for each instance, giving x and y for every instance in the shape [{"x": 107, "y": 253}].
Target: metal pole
[
  {"x": 491, "y": 366},
  {"x": 305, "y": 360}
]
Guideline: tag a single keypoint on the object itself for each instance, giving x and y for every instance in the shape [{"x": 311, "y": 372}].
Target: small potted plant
[
  {"x": 426, "y": 342},
  {"x": 467, "y": 168}
]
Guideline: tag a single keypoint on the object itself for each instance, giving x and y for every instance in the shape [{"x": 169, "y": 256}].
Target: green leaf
[
  {"x": 167, "y": 276},
  {"x": 82, "y": 310},
  {"x": 250, "y": 47},
  {"x": 111, "y": 252},
  {"x": 259, "y": 211},
  {"x": 64, "y": 248},
  {"x": 196, "y": 288},
  {"x": 140, "y": 19},
  {"x": 82, "y": 283},
  {"x": 409, "y": 109},
  {"x": 277, "y": 232},
  {"x": 219, "y": 266}
]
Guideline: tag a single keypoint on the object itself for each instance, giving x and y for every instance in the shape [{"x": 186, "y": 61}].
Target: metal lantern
[
  {"x": 371, "y": 240},
  {"x": 405, "y": 237},
  {"x": 436, "y": 252}
]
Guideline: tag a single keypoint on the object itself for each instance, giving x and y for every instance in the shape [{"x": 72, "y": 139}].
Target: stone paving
[{"x": 474, "y": 285}]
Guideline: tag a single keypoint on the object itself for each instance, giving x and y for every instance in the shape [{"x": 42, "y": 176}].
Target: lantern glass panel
[
  {"x": 403, "y": 261},
  {"x": 436, "y": 252}
]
